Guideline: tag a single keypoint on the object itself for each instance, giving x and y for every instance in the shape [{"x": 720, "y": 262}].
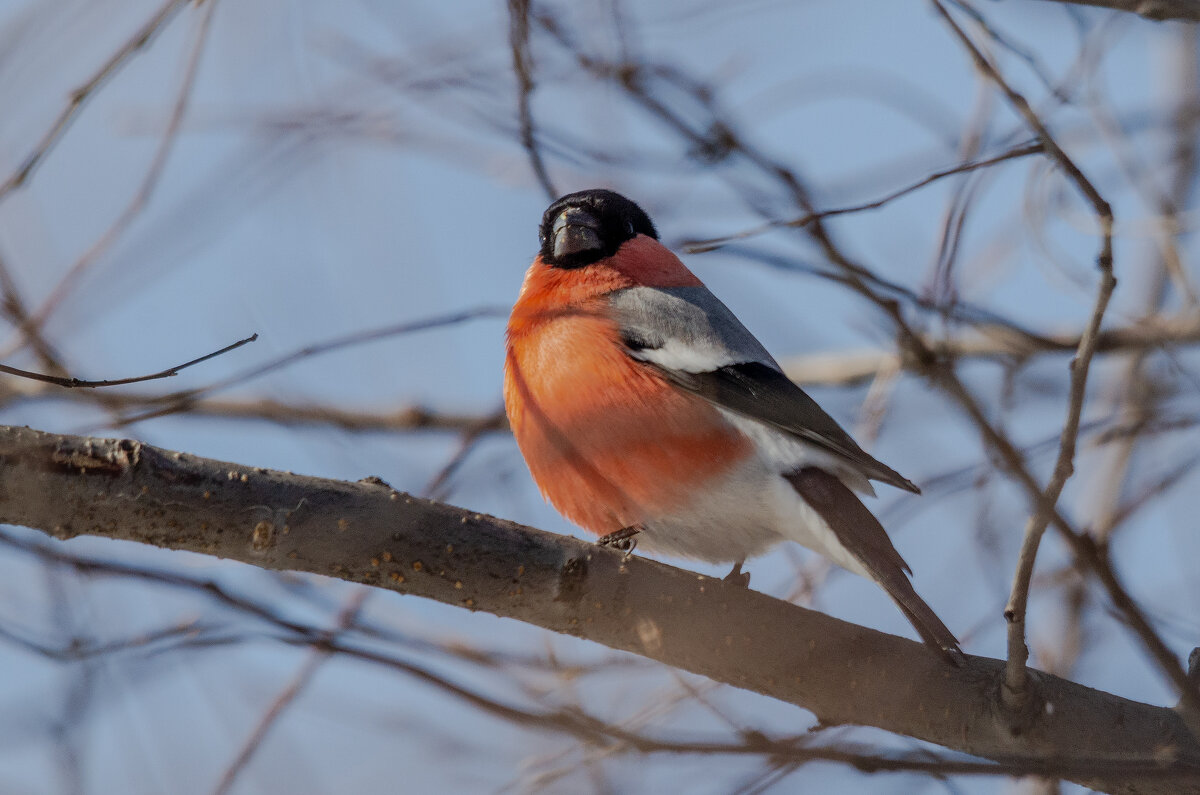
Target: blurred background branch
[
  {"x": 1151, "y": 9},
  {"x": 363, "y": 188}
]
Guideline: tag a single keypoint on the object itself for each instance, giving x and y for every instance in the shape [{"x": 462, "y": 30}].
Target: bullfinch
[{"x": 644, "y": 408}]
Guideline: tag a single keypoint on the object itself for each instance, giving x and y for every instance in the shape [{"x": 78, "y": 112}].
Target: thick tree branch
[{"x": 366, "y": 532}]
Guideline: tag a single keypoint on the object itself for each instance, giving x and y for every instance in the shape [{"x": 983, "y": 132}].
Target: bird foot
[
  {"x": 624, "y": 539},
  {"x": 737, "y": 576}
]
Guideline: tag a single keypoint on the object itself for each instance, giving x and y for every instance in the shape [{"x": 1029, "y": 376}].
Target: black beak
[{"x": 575, "y": 231}]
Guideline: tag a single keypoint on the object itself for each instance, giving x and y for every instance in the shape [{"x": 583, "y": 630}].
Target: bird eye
[{"x": 629, "y": 227}]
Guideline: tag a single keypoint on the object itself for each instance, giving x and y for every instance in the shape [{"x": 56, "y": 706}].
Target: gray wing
[
  {"x": 695, "y": 341},
  {"x": 684, "y": 328}
]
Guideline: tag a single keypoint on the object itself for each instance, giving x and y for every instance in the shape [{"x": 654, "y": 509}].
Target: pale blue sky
[{"x": 308, "y": 197}]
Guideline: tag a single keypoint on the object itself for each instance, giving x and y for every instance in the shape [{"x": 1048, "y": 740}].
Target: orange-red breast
[{"x": 641, "y": 404}]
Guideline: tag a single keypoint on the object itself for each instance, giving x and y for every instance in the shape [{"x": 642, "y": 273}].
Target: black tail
[
  {"x": 861, "y": 534},
  {"x": 924, "y": 620}
]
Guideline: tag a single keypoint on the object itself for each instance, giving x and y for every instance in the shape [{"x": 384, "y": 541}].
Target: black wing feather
[
  {"x": 762, "y": 393},
  {"x": 865, "y": 538}
]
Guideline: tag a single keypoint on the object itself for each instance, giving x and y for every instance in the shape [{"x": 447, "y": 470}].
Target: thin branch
[
  {"x": 1088, "y": 554},
  {"x": 17, "y": 313},
  {"x": 1139, "y": 399},
  {"x": 1157, "y": 10},
  {"x": 51, "y": 552},
  {"x": 699, "y": 246},
  {"x": 79, "y": 383},
  {"x": 180, "y": 401},
  {"x": 842, "y": 368},
  {"x": 1151, "y": 775},
  {"x": 1145, "y": 496},
  {"x": 1030, "y": 59},
  {"x": 518, "y": 37},
  {"x": 319, "y": 654},
  {"x": 145, "y": 190},
  {"x": 1016, "y": 677},
  {"x": 83, "y": 93},
  {"x": 836, "y": 368},
  {"x": 471, "y": 437},
  {"x": 406, "y": 418}
]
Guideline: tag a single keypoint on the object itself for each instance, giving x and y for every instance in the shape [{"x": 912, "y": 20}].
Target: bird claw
[
  {"x": 624, "y": 540},
  {"x": 737, "y": 576}
]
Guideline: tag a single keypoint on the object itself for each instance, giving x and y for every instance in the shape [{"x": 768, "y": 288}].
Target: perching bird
[{"x": 644, "y": 407}]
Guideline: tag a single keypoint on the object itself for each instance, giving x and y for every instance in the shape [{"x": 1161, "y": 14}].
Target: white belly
[{"x": 743, "y": 514}]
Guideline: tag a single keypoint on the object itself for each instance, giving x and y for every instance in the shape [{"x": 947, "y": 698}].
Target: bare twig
[
  {"x": 145, "y": 190},
  {"x": 962, "y": 198},
  {"x": 1016, "y": 677},
  {"x": 83, "y": 93},
  {"x": 79, "y": 383},
  {"x": 1153, "y": 775},
  {"x": 843, "y": 368},
  {"x": 437, "y": 488},
  {"x": 17, "y": 313},
  {"x": 698, "y": 246},
  {"x": 180, "y": 401},
  {"x": 1138, "y": 395},
  {"x": 1087, "y": 554},
  {"x": 839, "y": 368},
  {"x": 1150, "y": 9},
  {"x": 1145, "y": 495},
  {"x": 1031, "y": 60},
  {"x": 404, "y": 418},
  {"x": 518, "y": 36},
  {"x": 319, "y": 654}
]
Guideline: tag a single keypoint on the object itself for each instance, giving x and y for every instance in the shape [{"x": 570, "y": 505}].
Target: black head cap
[{"x": 585, "y": 227}]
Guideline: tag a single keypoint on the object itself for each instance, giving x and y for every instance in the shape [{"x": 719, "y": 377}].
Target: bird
[{"x": 648, "y": 414}]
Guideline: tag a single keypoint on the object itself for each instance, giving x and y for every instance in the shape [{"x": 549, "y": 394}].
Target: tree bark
[{"x": 366, "y": 532}]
